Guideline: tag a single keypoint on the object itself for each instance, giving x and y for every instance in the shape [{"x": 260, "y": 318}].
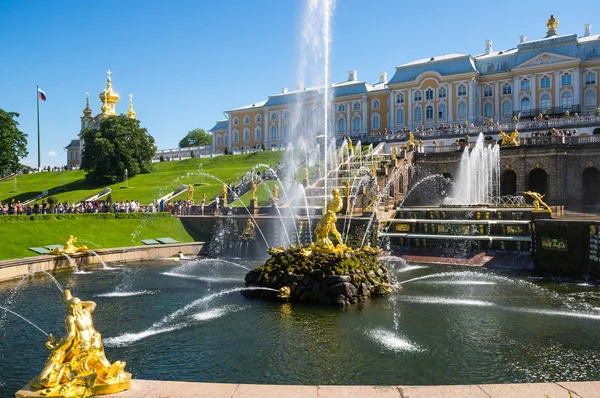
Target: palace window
[
  {"x": 525, "y": 104},
  {"x": 246, "y": 119},
  {"x": 506, "y": 108},
  {"x": 545, "y": 82},
  {"x": 246, "y": 134},
  {"x": 400, "y": 116},
  {"x": 258, "y": 134},
  {"x": 286, "y": 115},
  {"x": 589, "y": 99},
  {"x": 273, "y": 131},
  {"x": 487, "y": 110},
  {"x": 429, "y": 112},
  {"x": 375, "y": 104},
  {"x": 566, "y": 99},
  {"x": 341, "y": 108},
  {"x": 565, "y": 80},
  {"x": 356, "y": 123},
  {"x": 285, "y": 130},
  {"x": 236, "y": 121},
  {"x": 506, "y": 89},
  {"x": 428, "y": 94},
  {"x": 236, "y": 136},
  {"x": 341, "y": 125},
  {"x": 356, "y": 106},
  {"x": 525, "y": 85},
  {"x": 590, "y": 78},
  {"x": 442, "y": 111},
  {"x": 399, "y": 98},
  {"x": 258, "y": 119},
  {"x": 273, "y": 115},
  {"x": 418, "y": 114},
  {"x": 462, "y": 110},
  {"x": 545, "y": 102},
  {"x": 375, "y": 121},
  {"x": 418, "y": 96},
  {"x": 226, "y": 139},
  {"x": 442, "y": 92},
  {"x": 462, "y": 90},
  {"x": 218, "y": 140},
  {"x": 487, "y": 91}
]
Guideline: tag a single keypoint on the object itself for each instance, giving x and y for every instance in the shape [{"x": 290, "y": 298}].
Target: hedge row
[{"x": 96, "y": 216}]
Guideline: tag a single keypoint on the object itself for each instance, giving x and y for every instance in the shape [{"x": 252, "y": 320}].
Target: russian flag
[{"x": 41, "y": 94}]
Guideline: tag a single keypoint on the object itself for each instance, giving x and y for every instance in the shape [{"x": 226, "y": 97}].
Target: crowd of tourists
[{"x": 16, "y": 207}]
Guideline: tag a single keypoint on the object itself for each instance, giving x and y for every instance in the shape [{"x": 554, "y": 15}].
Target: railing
[{"x": 554, "y": 110}]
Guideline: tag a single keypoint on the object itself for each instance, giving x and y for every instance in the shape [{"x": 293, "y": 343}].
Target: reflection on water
[{"x": 446, "y": 325}]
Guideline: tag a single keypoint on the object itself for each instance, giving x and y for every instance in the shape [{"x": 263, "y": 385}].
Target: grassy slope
[
  {"x": 92, "y": 232},
  {"x": 144, "y": 187}
]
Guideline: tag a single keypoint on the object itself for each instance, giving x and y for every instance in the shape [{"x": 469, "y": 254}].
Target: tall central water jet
[{"x": 478, "y": 179}]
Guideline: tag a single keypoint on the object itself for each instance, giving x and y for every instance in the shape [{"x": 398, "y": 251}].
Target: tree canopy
[
  {"x": 117, "y": 145},
  {"x": 13, "y": 142},
  {"x": 195, "y": 137}
]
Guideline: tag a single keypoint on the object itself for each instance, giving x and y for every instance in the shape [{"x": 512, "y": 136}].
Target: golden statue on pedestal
[
  {"x": 411, "y": 139},
  {"x": 77, "y": 365},
  {"x": 70, "y": 247},
  {"x": 224, "y": 192},
  {"x": 253, "y": 197},
  {"x": 394, "y": 153},
  {"x": 537, "y": 200},
  {"x": 326, "y": 226},
  {"x": 276, "y": 192}
]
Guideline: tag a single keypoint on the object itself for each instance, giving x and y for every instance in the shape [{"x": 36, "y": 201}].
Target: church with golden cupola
[{"x": 109, "y": 99}]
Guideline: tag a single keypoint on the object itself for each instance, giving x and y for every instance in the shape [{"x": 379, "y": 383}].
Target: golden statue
[
  {"x": 326, "y": 225},
  {"x": 190, "y": 192},
  {"x": 537, "y": 200},
  {"x": 346, "y": 189},
  {"x": 276, "y": 192},
  {"x": 249, "y": 232},
  {"x": 551, "y": 24},
  {"x": 509, "y": 140},
  {"x": 254, "y": 191},
  {"x": 77, "y": 365},
  {"x": 411, "y": 139},
  {"x": 306, "y": 173},
  {"x": 374, "y": 169},
  {"x": 350, "y": 147},
  {"x": 70, "y": 248},
  {"x": 224, "y": 192},
  {"x": 394, "y": 153}
]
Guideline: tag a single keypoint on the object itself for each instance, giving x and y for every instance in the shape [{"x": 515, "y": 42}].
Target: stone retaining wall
[{"x": 12, "y": 269}]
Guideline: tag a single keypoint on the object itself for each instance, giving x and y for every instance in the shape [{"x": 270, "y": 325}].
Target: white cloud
[{"x": 52, "y": 153}]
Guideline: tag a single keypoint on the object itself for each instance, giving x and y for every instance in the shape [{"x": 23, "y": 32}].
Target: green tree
[
  {"x": 118, "y": 144},
  {"x": 196, "y": 137},
  {"x": 13, "y": 143}
]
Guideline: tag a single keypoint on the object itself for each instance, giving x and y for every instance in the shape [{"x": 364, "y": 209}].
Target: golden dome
[
  {"x": 109, "y": 97},
  {"x": 87, "y": 111},
  {"x": 131, "y": 112}
]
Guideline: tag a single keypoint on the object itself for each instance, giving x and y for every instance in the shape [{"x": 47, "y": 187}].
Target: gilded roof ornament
[
  {"x": 131, "y": 112},
  {"x": 87, "y": 111},
  {"x": 109, "y": 97},
  {"x": 551, "y": 24}
]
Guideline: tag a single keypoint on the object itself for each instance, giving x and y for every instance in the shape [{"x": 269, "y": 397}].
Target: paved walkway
[{"x": 164, "y": 389}]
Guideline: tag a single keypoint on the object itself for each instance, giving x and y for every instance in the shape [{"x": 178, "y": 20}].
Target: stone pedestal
[
  {"x": 254, "y": 209},
  {"x": 97, "y": 389},
  {"x": 540, "y": 215}
]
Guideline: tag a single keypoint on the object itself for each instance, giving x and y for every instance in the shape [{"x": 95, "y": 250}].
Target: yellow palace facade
[{"x": 548, "y": 76}]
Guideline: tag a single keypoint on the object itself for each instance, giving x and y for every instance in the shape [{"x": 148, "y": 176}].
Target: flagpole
[{"x": 37, "y": 96}]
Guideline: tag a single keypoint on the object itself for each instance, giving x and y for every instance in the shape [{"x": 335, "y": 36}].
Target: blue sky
[{"x": 186, "y": 62}]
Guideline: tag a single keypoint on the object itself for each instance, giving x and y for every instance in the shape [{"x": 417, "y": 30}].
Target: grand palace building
[{"x": 551, "y": 76}]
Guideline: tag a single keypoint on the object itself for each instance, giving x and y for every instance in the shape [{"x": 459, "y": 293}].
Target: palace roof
[{"x": 221, "y": 125}]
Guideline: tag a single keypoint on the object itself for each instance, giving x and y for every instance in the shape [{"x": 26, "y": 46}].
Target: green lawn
[
  {"x": 21, "y": 232},
  {"x": 166, "y": 177}
]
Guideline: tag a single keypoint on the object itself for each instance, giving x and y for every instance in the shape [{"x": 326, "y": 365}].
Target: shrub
[
  {"x": 226, "y": 151},
  {"x": 192, "y": 155},
  {"x": 162, "y": 158},
  {"x": 109, "y": 198}
]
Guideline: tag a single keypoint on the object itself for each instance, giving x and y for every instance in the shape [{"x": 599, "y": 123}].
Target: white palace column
[
  {"x": 557, "y": 88},
  {"x": 265, "y": 131},
  {"x": 279, "y": 133},
  {"x": 497, "y": 100},
  {"x": 450, "y": 94},
  {"x": 391, "y": 112},
  {"x": 364, "y": 114},
  {"x": 471, "y": 114},
  {"x": 577, "y": 87},
  {"x": 228, "y": 146},
  {"x": 349, "y": 117},
  {"x": 533, "y": 82},
  {"x": 515, "y": 94},
  {"x": 409, "y": 114}
]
